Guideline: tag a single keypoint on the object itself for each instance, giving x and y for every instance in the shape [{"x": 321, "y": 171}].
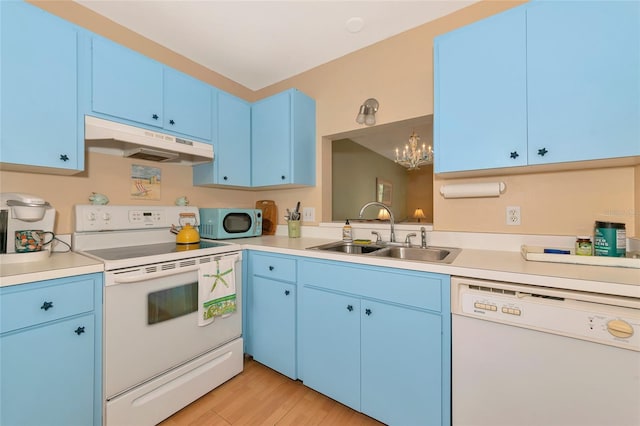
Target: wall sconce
[
  {"x": 383, "y": 214},
  {"x": 367, "y": 113},
  {"x": 419, "y": 214}
]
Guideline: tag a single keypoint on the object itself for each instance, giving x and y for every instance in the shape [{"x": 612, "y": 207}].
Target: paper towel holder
[{"x": 473, "y": 190}]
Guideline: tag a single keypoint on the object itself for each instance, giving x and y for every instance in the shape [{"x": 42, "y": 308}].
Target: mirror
[{"x": 363, "y": 170}]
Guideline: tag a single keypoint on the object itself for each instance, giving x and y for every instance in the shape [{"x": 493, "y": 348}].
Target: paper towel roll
[{"x": 473, "y": 190}]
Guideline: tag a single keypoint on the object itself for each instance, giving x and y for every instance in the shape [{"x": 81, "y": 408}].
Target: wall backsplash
[
  {"x": 111, "y": 176},
  {"x": 559, "y": 203}
]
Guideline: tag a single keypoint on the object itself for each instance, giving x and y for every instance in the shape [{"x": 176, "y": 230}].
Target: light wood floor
[{"x": 261, "y": 396}]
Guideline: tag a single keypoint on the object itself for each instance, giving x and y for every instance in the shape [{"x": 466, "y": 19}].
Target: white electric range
[{"x": 157, "y": 358}]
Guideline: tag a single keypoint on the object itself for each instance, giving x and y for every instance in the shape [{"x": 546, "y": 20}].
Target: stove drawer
[{"x": 40, "y": 302}]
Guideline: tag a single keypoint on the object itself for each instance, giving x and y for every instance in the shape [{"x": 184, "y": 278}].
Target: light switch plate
[{"x": 308, "y": 214}]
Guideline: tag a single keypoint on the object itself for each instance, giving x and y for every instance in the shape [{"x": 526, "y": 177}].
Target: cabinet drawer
[
  {"x": 419, "y": 289},
  {"x": 274, "y": 267},
  {"x": 30, "y": 304}
]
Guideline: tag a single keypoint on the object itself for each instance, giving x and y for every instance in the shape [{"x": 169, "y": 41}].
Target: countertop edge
[
  {"x": 480, "y": 264},
  {"x": 58, "y": 265}
]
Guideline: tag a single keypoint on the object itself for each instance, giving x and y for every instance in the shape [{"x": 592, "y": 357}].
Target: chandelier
[{"x": 413, "y": 157}]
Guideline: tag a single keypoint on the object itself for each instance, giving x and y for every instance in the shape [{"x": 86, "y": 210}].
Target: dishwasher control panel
[{"x": 566, "y": 313}]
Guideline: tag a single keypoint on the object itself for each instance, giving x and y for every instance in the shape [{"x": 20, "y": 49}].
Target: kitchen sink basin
[
  {"x": 429, "y": 254},
  {"x": 349, "y": 248}
]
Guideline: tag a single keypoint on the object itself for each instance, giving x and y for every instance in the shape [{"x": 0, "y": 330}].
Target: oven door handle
[{"x": 153, "y": 275}]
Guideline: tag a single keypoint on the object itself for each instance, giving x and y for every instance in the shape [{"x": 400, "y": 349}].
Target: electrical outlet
[
  {"x": 308, "y": 214},
  {"x": 513, "y": 215}
]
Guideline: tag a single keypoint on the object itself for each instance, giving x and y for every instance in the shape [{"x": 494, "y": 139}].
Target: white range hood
[{"x": 109, "y": 137}]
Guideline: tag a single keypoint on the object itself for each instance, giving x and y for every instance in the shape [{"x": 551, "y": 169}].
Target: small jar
[{"x": 584, "y": 246}]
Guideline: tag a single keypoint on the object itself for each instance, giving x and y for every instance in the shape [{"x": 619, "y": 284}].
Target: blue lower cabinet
[
  {"x": 377, "y": 340},
  {"x": 271, "y": 318},
  {"x": 52, "y": 368},
  {"x": 401, "y": 364},
  {"x": 273, "y": 313},
  {"x": 330, "y": 350}
]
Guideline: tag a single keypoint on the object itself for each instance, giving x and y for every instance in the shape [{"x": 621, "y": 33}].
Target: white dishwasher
[{"x": 525, "y": 355}]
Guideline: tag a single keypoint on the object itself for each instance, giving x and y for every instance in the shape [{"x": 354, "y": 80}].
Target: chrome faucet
[
  {"x": 392, "y": 237},
  {"x": 423, "y": 237}
]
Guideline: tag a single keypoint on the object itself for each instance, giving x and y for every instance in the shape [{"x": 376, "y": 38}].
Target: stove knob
[
  {"x": 91, "y": 216},
  {"x": 106, "y": 216},
  {"x": 620, "y": 328}
]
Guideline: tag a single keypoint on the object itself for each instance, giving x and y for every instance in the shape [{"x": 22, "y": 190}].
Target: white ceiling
[{"x": 259, "y": 43}]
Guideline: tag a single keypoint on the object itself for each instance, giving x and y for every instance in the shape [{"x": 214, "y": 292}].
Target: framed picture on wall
[{"x": 383, "y": 191}]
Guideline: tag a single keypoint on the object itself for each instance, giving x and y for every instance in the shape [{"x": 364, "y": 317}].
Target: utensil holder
[{"x": 294, "y": 228}]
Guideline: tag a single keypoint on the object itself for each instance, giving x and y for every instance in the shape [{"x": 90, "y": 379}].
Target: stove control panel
[{"x": 89, "y": 217}]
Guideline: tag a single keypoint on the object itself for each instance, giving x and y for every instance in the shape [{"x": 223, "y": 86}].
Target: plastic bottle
[{"x": 347, "y": 232}]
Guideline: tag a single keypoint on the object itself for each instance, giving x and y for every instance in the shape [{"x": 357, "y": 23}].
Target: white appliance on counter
[
  {"x": 526, "y": 355},
  {"x": 20, "y": 211},
  {"x": 157, "y": 359}
]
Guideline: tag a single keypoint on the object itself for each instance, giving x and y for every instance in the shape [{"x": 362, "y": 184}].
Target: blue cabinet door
[
  {"x": 40, "y": 120},
  {"x": 48, "y": 374},
  {"x": 126, "y": 84},
  {"x": 583, "y": 70},
  {"x": 283, "y": 140},
  {"x": 187, "y": 105},
  {"x": 271, "y": 140},
  {"x": 402, "y": 380},
  {"x": 480, "y": 116},
  {"x": 273, "y": 324},
  {"x": 330, "y": 334},
  {"x": 233, "y": 155}
]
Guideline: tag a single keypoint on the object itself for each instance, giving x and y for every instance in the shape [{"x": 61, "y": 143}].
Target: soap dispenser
[{"x": 347, "y": 234}]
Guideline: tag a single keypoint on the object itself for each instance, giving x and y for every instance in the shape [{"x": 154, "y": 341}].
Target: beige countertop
[
  {"x": 508, "y": 266},
  {"x": 483, "y": 264},
  {"x": 58, "y": 265}
]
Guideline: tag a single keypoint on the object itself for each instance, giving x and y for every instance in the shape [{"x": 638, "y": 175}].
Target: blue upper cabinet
[
  {"x": 283, "y": 135},
  {"x": 132, "y": 87},
  {"x": 187, "y": 104},
  {"x": 480, "y": 95},
  {"x": 583, "y": 72},
  {"x": 126, "y": 84},
  {"x": 40, "y": 121},
  {"x": 232, "y": 163},
  {"x": 546, "y": 83}
]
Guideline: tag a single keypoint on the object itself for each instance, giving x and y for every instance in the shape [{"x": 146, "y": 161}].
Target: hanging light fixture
[
  {"x": 412, "y": 156},
  {"x": 367, "y": 112}
]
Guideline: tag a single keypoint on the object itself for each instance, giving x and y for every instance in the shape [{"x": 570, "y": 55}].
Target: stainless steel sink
[
  {"x": 429, "y": 254},
  {"x": 349, "y": 248}
]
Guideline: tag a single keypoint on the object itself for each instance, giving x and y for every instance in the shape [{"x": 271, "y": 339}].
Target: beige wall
[
  {"x": 110, "y": 175},
  {"x": 420, "y": 192},
  {"x": 399, "y": 73},
  {"x": 354, "y": 173},
  {"x": 636, "y": 211}
]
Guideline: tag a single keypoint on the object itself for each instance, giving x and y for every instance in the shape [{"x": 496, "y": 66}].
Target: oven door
[{"x": 151, "y": 323}]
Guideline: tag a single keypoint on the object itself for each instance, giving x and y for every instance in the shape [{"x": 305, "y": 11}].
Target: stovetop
[
  {"x": 133, "y": 236},
  {"x": 119, "y": 253}
]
